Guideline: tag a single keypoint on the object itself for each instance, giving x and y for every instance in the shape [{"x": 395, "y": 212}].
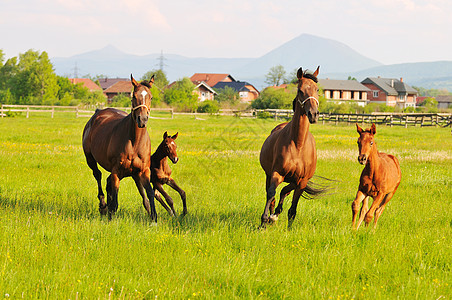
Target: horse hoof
[
  {"x": 103, "y": 210},
  {"x": 272, "y": 219}
]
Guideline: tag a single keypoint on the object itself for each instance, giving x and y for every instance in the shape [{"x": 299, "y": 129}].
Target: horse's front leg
[
  {"x": 181, "y": 192},
  {"x": 375, "y": 204},
  {"x": 145, "y": 180},
  {"x": 284, "y": 193},
  {"x": 355, "y": 206},
  {"x": 170, "y": 209},
  {"x": 272, "y": 183},
  {"x": 112, "y": 194}
]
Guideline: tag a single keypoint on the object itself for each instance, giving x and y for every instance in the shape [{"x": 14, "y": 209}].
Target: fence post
[
  {"x": 28, "y": 111},
  {"x": 172, "y": 113},
  {"x": 1, "y": 113},
  {"x": 53, "y": 111}
]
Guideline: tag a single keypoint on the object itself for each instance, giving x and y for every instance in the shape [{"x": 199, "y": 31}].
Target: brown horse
[
  {"x": 379, "y": 179},
  {"x": 120, "y": 143},
  {"x": 289, "y": 153},
  {"x": 161, "y": 172}
]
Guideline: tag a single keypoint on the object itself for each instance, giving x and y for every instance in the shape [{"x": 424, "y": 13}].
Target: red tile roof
[
  {"x": 211, "y": 78},
  {"x": 86, "y": 82},
  {"x": 120, "y": 87}
]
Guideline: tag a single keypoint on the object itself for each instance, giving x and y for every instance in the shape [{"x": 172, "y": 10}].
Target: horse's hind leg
[
  {"x": 146, "y": 203},
  {"x": 181, "y": 192},
  {"x": 284, "y": 193},
  {"x": 112, "y": 194},
  {"x": 167, "y": 197},
  {"x": 98, "y": 175},
  {"x": 293, "y": 208},
  {"x": 380, "y": 209}
]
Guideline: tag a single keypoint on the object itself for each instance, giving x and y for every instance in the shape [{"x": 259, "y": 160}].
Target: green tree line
[{"x": 30, "y": 79}]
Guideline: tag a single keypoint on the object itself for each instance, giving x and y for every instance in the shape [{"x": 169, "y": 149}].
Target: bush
[{"x": 208, "y": 106}]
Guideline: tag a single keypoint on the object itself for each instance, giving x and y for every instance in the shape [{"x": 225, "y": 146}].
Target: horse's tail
[{"x": 314, "y": 189}]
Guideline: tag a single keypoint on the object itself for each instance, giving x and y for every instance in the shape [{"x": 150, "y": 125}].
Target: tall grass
[{"x": 54, "y": 244}]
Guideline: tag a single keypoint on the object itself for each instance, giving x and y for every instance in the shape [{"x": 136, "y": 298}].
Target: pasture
[{"x": 54, "y": 244}]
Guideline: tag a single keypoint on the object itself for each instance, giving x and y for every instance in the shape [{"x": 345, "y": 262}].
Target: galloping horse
[
  {"x": 161, "y": 173},
  {"x": 379, "y": 179},
  {"x": 120, "y": 143},
  {"x": 289, "y": 153}
]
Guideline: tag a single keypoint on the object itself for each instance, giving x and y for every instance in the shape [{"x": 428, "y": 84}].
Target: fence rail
[{"x": 391, "y": 119}]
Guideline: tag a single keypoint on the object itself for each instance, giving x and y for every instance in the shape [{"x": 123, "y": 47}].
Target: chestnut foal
[
  {"x": 161, "y": 173},
  {"x": 379, "y": 179}
]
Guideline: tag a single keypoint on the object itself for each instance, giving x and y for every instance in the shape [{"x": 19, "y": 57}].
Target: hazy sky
[{"x": 389, "y": 31}]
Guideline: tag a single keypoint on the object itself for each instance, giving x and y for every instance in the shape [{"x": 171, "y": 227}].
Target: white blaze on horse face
[{"x": 144, "y": 93}]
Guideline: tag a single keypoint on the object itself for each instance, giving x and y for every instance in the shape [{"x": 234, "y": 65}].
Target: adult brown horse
[
  {"x": 161, "y": 173},
  {"x": 120, "y": 143},
  {"x": 379, "y": 179},
  {"x": 289, "y": 153}
]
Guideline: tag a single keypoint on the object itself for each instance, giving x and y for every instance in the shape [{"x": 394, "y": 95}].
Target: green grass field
[{"x": 54, "y": 244}]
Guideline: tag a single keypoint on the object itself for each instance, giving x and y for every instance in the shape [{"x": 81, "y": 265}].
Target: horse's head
[
  {"x": 308, "y": 95},
  {"x": 365, "y": 142},
  {"x": 141, "y": 101},
  {"x": 169, "y": 147}
]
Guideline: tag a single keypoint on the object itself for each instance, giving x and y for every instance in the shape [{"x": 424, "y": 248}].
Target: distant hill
[{"x": 336, "y": 60}]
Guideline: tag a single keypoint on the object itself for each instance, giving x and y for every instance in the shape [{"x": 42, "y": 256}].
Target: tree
[
  {"x": 160, "y": 80},
  {"x": 227, "y": 95},
  {"x": 274, "y": 98},
  {"x": 181, "y": 95},
  {"x": 275, "y": 75}
]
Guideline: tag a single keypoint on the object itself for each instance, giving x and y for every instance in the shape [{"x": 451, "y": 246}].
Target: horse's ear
[
  {"x": 151, "y": 81},
  {"x": 359, "y": 129},
  {"x": 134, "y": 82},
  {"x": 175, "y": 136},
  {"x": 373, "y": 129},
  {"x": 316, "y": 71},
  {"x": 165, "y": 135},
  {"x": 300, "y": 73}
]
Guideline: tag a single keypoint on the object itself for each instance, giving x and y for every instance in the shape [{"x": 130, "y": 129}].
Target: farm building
[
  {"x": 342, "y": 91},
  {"x": 390, "y": 91}
]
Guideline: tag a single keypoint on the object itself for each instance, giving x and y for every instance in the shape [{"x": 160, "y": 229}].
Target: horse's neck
[
  {"x": 374, "y": 160},
  {"x": 137, "y": 134},
  {"x": 160, "y": 156},
  {"x": 300, "y": 127}
]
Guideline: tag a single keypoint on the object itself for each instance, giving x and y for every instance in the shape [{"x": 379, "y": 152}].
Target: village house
[
  {"x": 344, "y": 91},
  {"x": 204, "y": 91},
  {"x": 120, "y": 87},
  {"x": 211, "y": 79},
  {"x": 390, "y": 91},
  {"x": 444, "y": 101}
]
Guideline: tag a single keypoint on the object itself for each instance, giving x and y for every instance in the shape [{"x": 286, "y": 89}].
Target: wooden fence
[{"x": 391, "y": 119}]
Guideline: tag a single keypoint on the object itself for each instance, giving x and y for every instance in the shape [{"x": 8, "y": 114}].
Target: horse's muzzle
[
  {"x": 174, "y": 159},
  {"x": 313, "y": 117},
  {"x": 142, "y": 121},
  {"x": 362, "y": 159}
]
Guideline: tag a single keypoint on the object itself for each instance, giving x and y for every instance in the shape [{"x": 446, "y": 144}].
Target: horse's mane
[
  {"x": 146, "y": 83},
  {"x": 310, "y": 76}
]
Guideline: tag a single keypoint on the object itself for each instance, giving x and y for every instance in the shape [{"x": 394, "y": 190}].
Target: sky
[{"x": 389, "y": 31}]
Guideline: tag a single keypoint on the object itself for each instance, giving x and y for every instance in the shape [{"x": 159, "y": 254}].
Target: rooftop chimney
[{"x": 401, "y": 79}]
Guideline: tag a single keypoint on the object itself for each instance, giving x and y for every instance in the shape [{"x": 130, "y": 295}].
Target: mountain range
[{"x": 336, "y": 60}]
